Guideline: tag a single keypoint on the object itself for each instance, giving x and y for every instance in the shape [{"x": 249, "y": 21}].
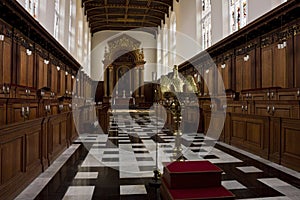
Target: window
[
  {"x": 238, "y": 14},
  {"x": 206, "y": 23},
  {"x": 32, "y": 6},
  {"x": 56, "y": 18},
  {"x": 165, "y": 50},
  {"x": 172, "y": 39},
  {"x": 71, "y": 25},
  {"x": 159, "y": 54}
]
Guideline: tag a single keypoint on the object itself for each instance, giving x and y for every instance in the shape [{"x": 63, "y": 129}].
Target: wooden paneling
[
  {"x": 42, "y": 73},
  {"x": 279, "y": 68},
  {"x": 11, "y": 159},
  {"x": 26, "y": 68},
  {"x": 274, "y": 69},
  {"x": 2, "y": 112},
  {"x": 267, "y": 63},
  {"x": 57, "y": 135},
  {"x": 54, "y": 79},
  {"x": 250, "y": 133},
  {"x": 290, "y": 149},
  {"x": 62, "y": 82},
  {"x": 20, "y": 158},
  {"x": 297, "y": 60},
  {"x": 5, "y": 61},
  {"x": 275, "y": 129}
]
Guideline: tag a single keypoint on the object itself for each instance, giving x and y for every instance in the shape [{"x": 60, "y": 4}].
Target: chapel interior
[{"x": 149, "y": 99}]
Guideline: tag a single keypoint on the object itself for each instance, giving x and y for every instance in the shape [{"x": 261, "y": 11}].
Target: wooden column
[
  {"x": 142, "y": 80},
  {"x": 136, "y": 81},
  {"x": 111, "y": 80}
]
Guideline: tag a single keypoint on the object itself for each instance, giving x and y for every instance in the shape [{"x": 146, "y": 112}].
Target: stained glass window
[{"x": 238, "y": 14}]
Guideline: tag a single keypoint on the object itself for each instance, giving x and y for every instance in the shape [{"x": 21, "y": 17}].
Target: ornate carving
[{"x": 124, "y": 43}]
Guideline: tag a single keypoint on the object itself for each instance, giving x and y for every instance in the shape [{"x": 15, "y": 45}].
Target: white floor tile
[
  {"x": 86, "y": 175},
  {"x": 79, "y": 192},
  {"x": 132, "y": 189},
  {"x": 249, "y": 169},
  {"x": 233, "y": 185},
  {"x": 273, "y": 182}
]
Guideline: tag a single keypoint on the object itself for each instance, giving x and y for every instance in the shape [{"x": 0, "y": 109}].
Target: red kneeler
[{"x": 193, "y": 180}]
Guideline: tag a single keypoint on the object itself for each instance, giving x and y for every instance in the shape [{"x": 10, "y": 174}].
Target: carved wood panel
[
  {"x": 2, "y": 112},
  {"x": 279, "y": 68},
  {"x": 42, "y": 73},
  {"x": 54, "y": 79},
  {"x": 5, "y": 61},
  {"x": 62, "y": 82},
  {"x": 11, "y": 159},
  {"x": 26, "y": 68},
  {"x": 297, "y": 61},
  {"x": 290, "y": 149},
  {"x": 267, "y": 63}
]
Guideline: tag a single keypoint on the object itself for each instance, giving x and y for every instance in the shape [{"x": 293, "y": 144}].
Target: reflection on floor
[{"x": 120, "y": 165}]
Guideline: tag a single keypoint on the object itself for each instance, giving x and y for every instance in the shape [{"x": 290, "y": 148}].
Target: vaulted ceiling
[{"x": 126, "y": 14}]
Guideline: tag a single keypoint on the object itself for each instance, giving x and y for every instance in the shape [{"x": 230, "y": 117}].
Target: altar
[{"x": 124, "y": 71}]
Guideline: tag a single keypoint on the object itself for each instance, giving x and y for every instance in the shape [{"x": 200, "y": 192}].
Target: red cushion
[
  {"x": 192, "y": 174},
  {"x": 192, "y": 166}
]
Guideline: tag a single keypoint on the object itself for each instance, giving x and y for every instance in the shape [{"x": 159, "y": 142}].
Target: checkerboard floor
[{"x": 120, "y": 165}]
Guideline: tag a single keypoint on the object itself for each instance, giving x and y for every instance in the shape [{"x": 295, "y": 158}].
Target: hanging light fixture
[
  {"x": 246, "y": 57},
  {"x": 58, "y": 68},
  {"x": 28, "y": 52},
  {"x": 223, "y": 65},
  {"x": 2, "y": 34},
  {"x": 207, "y": 71},
  {"x": 46, "y": 61}
]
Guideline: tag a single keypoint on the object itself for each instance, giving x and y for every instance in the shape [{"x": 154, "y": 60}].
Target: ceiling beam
[
  {"x": 92, "y": 24},
  {"x": 101, "y": 15}
]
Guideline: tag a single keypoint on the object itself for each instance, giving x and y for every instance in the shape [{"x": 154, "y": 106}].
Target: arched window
[
  {"x": 238, "y": 10},
  {"x": 56, "y": 19},
  {"x": 206, "y": 23},
  {"x": 32, "y": 7},
  {"x": 159, "y": 55},
  {"x": 165, "y": 41},
  {"x": 172, "y": 39}
]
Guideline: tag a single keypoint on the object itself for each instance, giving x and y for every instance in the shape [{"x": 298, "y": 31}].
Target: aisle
[{"x": 120, "y": 165}]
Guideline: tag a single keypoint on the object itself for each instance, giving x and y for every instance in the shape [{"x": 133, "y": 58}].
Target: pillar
[
  {"x": 105, "y": 83},
  {"x": 111, "y": 80},
  {"x": 142, "y": 80},
  {"x": 136, "y": 80}
]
